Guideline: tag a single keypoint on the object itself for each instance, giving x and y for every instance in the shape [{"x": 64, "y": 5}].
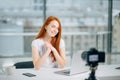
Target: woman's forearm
[
  {"x": 59, "y": 58},
  {"x": 40, "y": 61}
]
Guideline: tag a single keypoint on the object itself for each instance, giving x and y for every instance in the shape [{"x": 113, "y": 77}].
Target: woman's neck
[{"x": 47, "y": 38}]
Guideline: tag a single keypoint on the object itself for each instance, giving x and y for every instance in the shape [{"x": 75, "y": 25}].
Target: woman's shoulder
[
  {"x": 39, "y": 41},
  {"x": 62, "y": 43}
]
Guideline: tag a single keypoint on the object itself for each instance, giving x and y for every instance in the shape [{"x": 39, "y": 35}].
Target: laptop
[
  {"x": 78, "y": 66},
  {"x": 109, "y": 78}
]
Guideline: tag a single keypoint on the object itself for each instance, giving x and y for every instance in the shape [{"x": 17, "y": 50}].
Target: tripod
[{"x": 92, "y": 74}]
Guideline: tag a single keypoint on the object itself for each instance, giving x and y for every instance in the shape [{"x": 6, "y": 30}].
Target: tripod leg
[{"x": 92, "y": 75}]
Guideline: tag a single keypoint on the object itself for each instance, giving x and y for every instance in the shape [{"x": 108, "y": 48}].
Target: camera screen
[{"x": 93, "y": 58}]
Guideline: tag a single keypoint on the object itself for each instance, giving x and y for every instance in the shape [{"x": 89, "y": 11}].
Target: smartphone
[
  {"x": 29, "y": 74},
  {"x": 117, "y": 68}
]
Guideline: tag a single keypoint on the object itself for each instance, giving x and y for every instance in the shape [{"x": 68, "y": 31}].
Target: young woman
[{"x": 48, "y": 49}]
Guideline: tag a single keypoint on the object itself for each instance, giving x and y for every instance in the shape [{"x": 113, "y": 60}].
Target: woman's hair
[{"x": 55, "y": 41}]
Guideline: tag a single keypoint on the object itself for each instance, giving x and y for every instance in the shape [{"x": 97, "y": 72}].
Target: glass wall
[
  {"x": 116, "y": 27},
  {"x": 19, "y": 22},
  {"x": 115, "y": 32},
  {"x": 84, "y": 22}
]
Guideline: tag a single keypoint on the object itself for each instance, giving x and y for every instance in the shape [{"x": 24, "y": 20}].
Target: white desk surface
[{"x": 48, "y": 74}]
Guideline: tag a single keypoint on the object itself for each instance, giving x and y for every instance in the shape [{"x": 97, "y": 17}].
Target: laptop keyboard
[
  {"x": 67, "y": 71},
  {"x": 64, "y": 72}
]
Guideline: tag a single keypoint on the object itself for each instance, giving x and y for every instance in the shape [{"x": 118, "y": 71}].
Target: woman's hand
[
  {"x": 49, "y": 46},
  {"x": 60, "y": 58}
]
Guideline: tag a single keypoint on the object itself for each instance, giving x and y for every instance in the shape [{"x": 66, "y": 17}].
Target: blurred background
[{"x": 86, "y": 24}]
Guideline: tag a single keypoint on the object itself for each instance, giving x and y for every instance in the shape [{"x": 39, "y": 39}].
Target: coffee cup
[{"x": 9, "y": 70}]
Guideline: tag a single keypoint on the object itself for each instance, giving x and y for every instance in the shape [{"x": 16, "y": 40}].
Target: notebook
[{"x": 78, "y": 65}]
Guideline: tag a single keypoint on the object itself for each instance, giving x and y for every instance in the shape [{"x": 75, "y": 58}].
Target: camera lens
[{"x": 84, "y": 55}]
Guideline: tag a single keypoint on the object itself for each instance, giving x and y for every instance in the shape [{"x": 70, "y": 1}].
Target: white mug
[{"x": 9, "y": 70}]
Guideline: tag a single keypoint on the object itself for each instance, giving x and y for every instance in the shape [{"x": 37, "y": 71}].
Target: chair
[{"x": 25, "y": 64}]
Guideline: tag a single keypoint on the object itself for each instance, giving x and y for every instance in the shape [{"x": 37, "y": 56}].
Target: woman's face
[{"x": 52, "y": 29}]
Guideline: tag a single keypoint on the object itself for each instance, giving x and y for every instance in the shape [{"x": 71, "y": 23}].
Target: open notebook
[{"x": 78, "y": 65}]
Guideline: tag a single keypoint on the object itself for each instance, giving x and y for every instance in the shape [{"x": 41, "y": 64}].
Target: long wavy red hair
[{"x": 55, "y": 41}]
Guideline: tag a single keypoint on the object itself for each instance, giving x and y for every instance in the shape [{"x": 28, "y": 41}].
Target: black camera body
[{"x": 93, "y": 57}]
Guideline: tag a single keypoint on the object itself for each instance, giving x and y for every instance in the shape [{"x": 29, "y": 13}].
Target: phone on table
[
  {"x": 117, "y": 68},
  {"x": 29, "y": 74}
]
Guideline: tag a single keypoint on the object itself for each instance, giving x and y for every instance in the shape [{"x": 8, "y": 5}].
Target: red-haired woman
[{"x": 48, "y": 49}]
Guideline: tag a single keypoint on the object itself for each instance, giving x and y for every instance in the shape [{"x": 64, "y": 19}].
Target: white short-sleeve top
[{"x": 40, "y": 46}]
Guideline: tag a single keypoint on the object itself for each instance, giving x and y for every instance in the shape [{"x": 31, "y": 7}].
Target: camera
[{"x": 93, "y": 57}]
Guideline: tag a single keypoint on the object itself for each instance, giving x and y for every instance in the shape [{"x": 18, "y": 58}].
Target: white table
[{"x": 48, "y": 74}]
